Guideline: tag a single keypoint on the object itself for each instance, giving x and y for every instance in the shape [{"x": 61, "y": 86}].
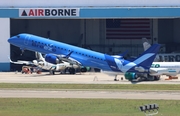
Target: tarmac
[{"x": 85, "y": 78}]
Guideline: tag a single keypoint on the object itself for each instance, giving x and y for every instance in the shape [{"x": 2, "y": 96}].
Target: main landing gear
[
  {"x": 115, "y": 79},
  {"x": 71, "y": 70}
]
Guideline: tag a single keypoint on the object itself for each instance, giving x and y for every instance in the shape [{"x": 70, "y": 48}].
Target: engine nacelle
[
  {"x": 84, "y": 69},
  {"x": 52, "y": 59},
  {"x": 130, "y": 76}
]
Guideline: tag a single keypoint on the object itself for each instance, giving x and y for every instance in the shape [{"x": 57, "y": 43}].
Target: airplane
[
  {"x": 157, "y": 68},
  {"x": 84, "y": 57},
  {"x": 162, "y": 57},
  {"x": 52, "y": 68},
  {"x": 166, "y": 68}
]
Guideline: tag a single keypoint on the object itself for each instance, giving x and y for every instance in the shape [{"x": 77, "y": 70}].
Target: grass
[
  {"x": 92, "y": 86},
  {"x": 83, "y": 107}
]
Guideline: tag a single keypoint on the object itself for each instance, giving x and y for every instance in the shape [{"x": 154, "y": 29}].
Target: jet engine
[
  {"x": 130, "y": 76},
  {"x": 52, "y": 59},
  {"x": 83, "y": 69}
]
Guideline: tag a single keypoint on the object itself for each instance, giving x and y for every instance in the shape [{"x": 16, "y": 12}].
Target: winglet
[{"x": 124, "y": 53}]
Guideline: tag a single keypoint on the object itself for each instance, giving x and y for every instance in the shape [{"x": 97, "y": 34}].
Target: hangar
[{"x": 109, "y": 26}]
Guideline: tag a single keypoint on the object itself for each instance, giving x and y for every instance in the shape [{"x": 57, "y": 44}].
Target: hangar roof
[
  {"x": 91, "y": 9},
  {"x": 89, "y": 3}
]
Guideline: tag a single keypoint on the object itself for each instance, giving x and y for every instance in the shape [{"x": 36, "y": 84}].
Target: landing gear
[
  {"x": 71, "y": 70},
  {"x": 146, "y": 77},
  {"x": 115, "y": 79},
  {"x": 51, "y": 72},
  {"x": 152, "y": 78},
  {"x": 157, "y": 77},
  {"x": 22, "y": 51},
  {"x": 83, "y": 69}
]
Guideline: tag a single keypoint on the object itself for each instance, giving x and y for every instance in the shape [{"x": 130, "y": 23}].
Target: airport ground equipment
[{"x": 149, "y": 109}]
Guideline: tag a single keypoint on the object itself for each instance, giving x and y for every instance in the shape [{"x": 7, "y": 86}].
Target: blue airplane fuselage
[{"x": 84, "y": 56}]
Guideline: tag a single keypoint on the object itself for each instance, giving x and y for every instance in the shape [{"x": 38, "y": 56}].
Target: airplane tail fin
[
  {"x": 146, "y": 58},
  {"x": 39, "y": 56},
  {"x": 10, "y": 60},
  {"x": 146, "y": 44}
]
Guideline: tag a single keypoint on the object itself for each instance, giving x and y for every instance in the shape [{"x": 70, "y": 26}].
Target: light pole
[{"x": 149, "y": 109}]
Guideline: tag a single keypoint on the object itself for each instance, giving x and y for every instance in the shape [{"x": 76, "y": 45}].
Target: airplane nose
[{"x": 12, "y": 40}]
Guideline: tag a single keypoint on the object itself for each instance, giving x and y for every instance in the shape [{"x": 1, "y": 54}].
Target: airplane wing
[
  {"x": 71, "y": 61},
  {"x": 21, "y": 62},
  {"x": 61, "y": 58},
  {"x": 120, "y": 56}
]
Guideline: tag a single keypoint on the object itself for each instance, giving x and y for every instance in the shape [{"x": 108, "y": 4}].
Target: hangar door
[
  {"x": 126, "y": 35},
  {"x": 64, "y": 30},
  {"x": 97, "y": 32},
  {"x": 128, "y": 28}
]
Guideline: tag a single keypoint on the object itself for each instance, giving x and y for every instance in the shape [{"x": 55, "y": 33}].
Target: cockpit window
[{"x": 18, "y": 36}]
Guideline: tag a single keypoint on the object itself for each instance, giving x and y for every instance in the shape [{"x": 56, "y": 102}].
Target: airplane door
[{"x": 26, "y": 40}]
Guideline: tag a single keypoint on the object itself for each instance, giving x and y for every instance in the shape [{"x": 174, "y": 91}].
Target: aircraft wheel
[
  {"x": 156, "y": 77},
  {"x": 71, "y": 70}
]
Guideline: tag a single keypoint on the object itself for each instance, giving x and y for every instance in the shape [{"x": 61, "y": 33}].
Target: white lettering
[{"x": 47, "y": 48}]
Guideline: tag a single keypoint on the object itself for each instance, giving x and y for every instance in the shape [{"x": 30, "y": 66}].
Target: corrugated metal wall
[{"x": 4, "y": 45}]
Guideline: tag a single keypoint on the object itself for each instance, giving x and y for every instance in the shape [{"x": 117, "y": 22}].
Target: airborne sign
[{"x": 49, "y": 12}]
